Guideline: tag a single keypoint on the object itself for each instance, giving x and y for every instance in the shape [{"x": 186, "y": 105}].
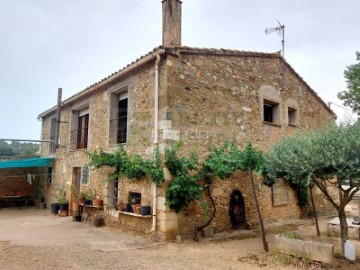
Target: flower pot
[
  {"x": 75, "y": 206},
  {"x": 63, "y": 206},
  {"x": 145, "y": 210},
  {"x": 137, "y": 209},
  {"x": 128, "y": 208},
  {"x": 55, "y": 208},
  {"x": 120, "y": 206},
  {"x": 81, "y": 200},
  {"x": 98, "y": 202},
  {"x": 88, "y": 202}
]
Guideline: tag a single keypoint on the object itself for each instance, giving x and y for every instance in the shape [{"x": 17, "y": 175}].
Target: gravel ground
[{"x": 33, "y": 239}]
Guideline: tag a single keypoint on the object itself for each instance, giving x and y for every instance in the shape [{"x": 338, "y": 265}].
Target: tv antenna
[{"x": 281, "y": 32}]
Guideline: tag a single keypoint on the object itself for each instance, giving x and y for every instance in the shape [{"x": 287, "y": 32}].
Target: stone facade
[{"x": 206, "y": 97}]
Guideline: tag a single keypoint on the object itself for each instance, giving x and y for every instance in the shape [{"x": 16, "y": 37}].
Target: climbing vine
[
  {"x": 131, "y": 166},
  {"x": 153, "y": 168},
  {"x": 180, "y": 165},
  {"x": 222, "y": 163},
  {"x": 184, "y": 188}
]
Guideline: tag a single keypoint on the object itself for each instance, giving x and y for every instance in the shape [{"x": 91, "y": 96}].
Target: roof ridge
[{"x": 185, "y": 49}]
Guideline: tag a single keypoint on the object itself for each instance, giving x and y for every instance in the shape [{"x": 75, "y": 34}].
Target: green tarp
[{"x": 26, "y": 163}]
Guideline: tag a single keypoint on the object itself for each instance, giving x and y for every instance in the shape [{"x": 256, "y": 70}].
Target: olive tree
[
  {"x": 326, "y": 158},
  {"x": 351, "y": 96}
]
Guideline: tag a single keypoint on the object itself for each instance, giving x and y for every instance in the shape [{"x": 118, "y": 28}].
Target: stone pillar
[{"x": 171, "y": 23}]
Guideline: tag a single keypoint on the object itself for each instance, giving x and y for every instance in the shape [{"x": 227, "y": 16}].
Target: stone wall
[
  {"x": 140, "y": 87},
  {"x": 204, "y": 100},
  {"x": 213, "y": 99}
]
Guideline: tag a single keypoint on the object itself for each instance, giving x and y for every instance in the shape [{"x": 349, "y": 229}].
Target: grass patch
[{"x": 292, "y": 235}]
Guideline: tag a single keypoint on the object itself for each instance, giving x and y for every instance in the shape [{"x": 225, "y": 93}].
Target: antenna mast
[{"x": 281, "y": 32}]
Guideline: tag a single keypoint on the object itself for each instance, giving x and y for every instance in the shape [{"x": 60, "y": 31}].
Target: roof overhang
[
  {"x": 178, "y": 51},
  {"x": 26, "y": 163}
]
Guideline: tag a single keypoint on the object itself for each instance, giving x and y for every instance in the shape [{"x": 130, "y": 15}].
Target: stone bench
[{"x": 313, "y": 250}]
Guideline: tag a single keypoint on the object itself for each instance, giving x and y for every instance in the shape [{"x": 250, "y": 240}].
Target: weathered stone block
[
  {"x": 170, "y": 134},
  {"x": 317, "y": 251},
  {"x": 165, "y": 124}
]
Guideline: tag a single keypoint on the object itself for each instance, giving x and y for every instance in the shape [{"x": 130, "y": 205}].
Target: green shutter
[{"x": 84, "y": 175}]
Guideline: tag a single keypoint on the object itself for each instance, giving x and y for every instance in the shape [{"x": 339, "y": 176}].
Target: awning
[{"x": 26, "y": 163}]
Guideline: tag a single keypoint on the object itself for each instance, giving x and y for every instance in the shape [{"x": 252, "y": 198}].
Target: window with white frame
[
  {"x": 119, "y": 118},
  {"x": 79, "y": 129}
]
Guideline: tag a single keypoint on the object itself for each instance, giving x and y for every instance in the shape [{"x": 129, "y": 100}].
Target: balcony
[
  {"x": 118, "y": 130},
  {"x": 79, "y": 139},
  {"x": 52, "y": 146}
]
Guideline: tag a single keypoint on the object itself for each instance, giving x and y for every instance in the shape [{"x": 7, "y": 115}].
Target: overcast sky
[{"x": 46, "y": 44}]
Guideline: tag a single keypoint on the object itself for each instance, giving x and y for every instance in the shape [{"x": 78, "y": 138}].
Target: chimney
[{"x": 171, "y": 23}]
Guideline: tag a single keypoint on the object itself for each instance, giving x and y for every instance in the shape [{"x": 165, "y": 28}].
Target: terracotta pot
[
  {"x": 75, "y": 206},
  {"x": 137, "y": 209},
  {"x": 81, "y": 200},
  {"x": 120, "y": 206},
  {"x": 98, "y": 202}
]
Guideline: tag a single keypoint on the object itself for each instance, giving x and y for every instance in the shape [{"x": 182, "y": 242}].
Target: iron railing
[
  {"x": 52, "y": 145},
  {"x": 79, "y": 139},
  {"x": 118, "y": 130}
]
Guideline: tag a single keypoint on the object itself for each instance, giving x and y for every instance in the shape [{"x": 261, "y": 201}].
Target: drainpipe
[{"x": 156, "y": 137}]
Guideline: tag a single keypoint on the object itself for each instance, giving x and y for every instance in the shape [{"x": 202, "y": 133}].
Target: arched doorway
[{"x": 237, "y": 209}]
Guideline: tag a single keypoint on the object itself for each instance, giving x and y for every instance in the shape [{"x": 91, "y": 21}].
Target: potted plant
[
  {"x": 55, "y": 208},
  {"x": 131, "y": 201},
  {"x": 145, "y": 210},
  {"x": 137, "y": 208},
  {"x": 120, "y": 206},
  {"x": 82, "y": 197},
  {"x": 98, "y": 202},
  {"x": 89, "y": 197},
  {"x": 62, "y": 200}
]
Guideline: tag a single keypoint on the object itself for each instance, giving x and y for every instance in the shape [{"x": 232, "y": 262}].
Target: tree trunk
[
  {"x": 258, "y": 214},
  {"x": 314, "y": 209},
  {"x": 207, "y": 223},
  {"x": 343, "y": 228}
]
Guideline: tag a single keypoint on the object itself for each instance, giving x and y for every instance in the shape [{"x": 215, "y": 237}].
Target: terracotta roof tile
[{"x": 184, "y": 50}]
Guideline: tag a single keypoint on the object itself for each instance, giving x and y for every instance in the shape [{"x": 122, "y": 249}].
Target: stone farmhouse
[{"x": 174, "y": 93}]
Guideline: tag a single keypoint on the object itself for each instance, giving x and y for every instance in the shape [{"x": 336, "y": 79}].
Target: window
[
  {"x": 112, "y": 194},
  {"x": 83, "y": 125},
  {"x": 80, "y": 129},
  {"x": 134, "y": 198},
  {"x": 271, "y": 112},
  {"x": 84, "y": 175},
  {"x": 119, "y": 120},
  {"x": 292, "y": 117}
]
